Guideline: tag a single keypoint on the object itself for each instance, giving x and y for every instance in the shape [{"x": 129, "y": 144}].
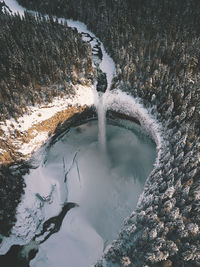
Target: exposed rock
[{"x": 101, "y": 81}]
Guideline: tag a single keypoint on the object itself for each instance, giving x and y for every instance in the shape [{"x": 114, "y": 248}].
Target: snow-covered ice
[
  {"x": 76, "y": 244},
  {"x": 104, "y": 198}
]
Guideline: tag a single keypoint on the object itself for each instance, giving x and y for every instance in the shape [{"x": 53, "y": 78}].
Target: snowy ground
[
  {"x": 15, "y": 7},
  {"x": 84, "y": 96}
]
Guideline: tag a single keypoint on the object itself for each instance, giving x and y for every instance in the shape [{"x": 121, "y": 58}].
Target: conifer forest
[{"x": 147, "y": 51}]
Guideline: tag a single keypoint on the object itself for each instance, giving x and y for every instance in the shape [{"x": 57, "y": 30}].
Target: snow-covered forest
[
  {"x": 39, "y": 59},
  {"x": 156, "y": 49}
]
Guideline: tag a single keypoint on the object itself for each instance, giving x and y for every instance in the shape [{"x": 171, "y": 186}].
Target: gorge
[{"x": 156, "y": 84}]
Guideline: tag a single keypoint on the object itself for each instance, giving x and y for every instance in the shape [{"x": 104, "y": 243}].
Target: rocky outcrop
[{"x": 101, "y": 81}]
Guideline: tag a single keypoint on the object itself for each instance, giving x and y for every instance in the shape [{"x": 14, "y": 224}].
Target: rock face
[
  {"x": 156, "y": 50},
  {"x": 101, "y": 82}
]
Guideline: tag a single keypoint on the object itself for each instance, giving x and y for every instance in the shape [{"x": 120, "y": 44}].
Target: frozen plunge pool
[
  {"x": 99, "y": 189},
  {"x": 105, "y": 185}
]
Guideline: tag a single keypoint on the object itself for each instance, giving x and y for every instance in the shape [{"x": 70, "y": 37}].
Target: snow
[
  {"x": 15, "y": 7},
  {"x": 84, "y": 96},
  {"x": 34, "y": 144},
  {"x": 1, "y": 151},
  {"x": 31, "y": 211},
  {"x": 107, "y": 64},
  {"x": 119, "y": 101},
  {"x": 74, "y": 242}
]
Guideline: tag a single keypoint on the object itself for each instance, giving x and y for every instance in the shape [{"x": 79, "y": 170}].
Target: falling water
[{"x": 101, "y": 123}]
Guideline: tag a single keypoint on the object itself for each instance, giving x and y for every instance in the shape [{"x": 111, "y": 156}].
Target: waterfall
[
  {"x": 101, "y": 123},
  {"x": 105, "y": 71}
]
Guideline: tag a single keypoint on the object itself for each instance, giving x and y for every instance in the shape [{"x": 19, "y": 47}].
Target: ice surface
[
  {"x": 77, "y": 244},
  {"x": 106, "y": 189}
]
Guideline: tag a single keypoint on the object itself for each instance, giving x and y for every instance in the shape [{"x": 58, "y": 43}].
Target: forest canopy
[{"x": 39, "y": 59}]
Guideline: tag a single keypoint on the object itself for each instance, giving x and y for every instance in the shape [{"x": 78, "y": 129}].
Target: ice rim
[{"x": 114, "y": 100}]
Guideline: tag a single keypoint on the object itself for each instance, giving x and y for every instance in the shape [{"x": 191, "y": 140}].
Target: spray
[{"x": 101, "y": 123}]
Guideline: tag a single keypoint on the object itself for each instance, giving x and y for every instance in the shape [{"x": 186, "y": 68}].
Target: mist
[{"x": 105, "y": 184}]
